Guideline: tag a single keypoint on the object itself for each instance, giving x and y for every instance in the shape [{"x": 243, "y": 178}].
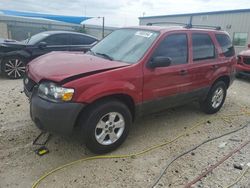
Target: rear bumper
[
  {"x": 243, "y": 69},
  {"x": 54, "y": 117},
  {"x": 244, "y": 73}
]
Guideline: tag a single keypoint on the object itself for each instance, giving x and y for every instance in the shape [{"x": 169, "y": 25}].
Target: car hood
[
  {"x": 61, "y": 66},
  {"x": 245, "y": 53},
  {"x": 11, "y": 46}
]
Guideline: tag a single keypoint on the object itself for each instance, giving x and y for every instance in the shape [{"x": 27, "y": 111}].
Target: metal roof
[
  {"x": 199, "y": 13},
  {"x": 61, "y": 18}
]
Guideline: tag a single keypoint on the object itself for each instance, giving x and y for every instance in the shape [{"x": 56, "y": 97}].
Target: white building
[
  {"x": 20, "y": 28},
  {"x": 235, "y": 22}
]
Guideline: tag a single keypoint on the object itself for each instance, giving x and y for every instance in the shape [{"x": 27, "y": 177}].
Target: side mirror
[
  {"x": 248, "y": 45},
  {"x": 42, "y": 45},
  {"x": 160, "y": 61}
]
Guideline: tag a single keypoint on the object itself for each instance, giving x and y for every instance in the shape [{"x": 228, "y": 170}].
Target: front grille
[
  {"x": 246, "y": 61},
  {"x": 29, "y": 84}
]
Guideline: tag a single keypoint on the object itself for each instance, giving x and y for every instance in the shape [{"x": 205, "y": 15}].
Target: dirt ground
[{"x": 21, "y": 167}]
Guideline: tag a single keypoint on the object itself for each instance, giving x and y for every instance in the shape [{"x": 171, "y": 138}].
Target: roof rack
[
  {"x": 188, "y": 26},
  {"x": 203, "y": 26},
  {"x": 176, "y": 23}
]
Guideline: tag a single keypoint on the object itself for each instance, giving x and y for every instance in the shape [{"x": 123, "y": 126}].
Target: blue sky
[{"x": 121, "y": 12}]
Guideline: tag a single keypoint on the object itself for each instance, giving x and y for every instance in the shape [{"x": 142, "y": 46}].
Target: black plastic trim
[
  {"x": 156, "y": 105},
  {"x": 54, "y": 117}
]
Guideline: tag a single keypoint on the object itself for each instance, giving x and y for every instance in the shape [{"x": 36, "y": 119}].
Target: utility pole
[
  {"x": 103, "y": 26},
  {"x": 103, "y": 22}
]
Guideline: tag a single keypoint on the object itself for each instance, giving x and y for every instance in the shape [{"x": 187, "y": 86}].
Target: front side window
[
  {"x": 203, "y": 47},
  {"x": 57, "y": 39},
  {"x": 225, "y": 44},
  {"x": 126, "y": 45},
  {"x": 240, "y": 39},
  {"x": 81, "y": 40},
  {"x": 36, "y": 38},
  {"x": 174, "y": 46}
]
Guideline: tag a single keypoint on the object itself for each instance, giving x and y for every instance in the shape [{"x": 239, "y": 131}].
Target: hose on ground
[
  {"x": 200, "y": 123},
  {"x": 239, "y": 178},
  {"x": 192, "y": 149}
]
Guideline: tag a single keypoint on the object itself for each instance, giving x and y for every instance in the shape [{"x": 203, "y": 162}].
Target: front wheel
[
  {"x": 215, "y": 98},
  {"x": 14, "y": 67},
  {"x": 106, "y": 125}
]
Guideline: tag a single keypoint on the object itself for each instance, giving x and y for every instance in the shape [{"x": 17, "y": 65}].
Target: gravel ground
[{"x": 20, "y": 166}]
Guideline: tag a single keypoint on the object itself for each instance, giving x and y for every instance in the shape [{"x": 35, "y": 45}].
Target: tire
[
  {"x": 13, "y": 67},
  {"x": 215, "y": 98},
  {"x": 105, "y": 126}
]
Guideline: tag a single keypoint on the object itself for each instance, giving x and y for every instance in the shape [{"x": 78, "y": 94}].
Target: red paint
[
  {"x": 137, "y": 80},
  {"x": 241, "y": 66},
  {"x": 57, "y": 66}
]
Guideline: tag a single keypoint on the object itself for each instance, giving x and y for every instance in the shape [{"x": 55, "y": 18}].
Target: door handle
[{"x": 183, "y": 72}]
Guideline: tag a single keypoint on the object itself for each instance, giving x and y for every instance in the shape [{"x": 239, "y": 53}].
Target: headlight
[{"x": 51, "y": 91}]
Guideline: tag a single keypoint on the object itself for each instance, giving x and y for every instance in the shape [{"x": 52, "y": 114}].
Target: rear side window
[
  {"x": 57, "y": 39},
  {"x": 82, "y": 40},
  {"x": 174, "y": 46},
  {"x": 225, "y": 44},
  {"x": 203, "y": 47}
]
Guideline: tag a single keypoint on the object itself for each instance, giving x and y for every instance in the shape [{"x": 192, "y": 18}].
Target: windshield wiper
[{"x": 105, "y": 55}]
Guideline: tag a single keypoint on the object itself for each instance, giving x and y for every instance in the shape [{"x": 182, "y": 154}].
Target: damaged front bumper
[{"x": 54, "y": 117}]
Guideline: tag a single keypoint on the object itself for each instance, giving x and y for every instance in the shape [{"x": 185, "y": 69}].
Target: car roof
[
  {"x": 67, "y": 32},
  {"x": 164, "y": 29}
]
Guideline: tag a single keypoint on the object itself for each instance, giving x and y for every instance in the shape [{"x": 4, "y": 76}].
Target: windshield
[
  {"x": 126, "y": 45},
  {"x": 36, "y": 38}
]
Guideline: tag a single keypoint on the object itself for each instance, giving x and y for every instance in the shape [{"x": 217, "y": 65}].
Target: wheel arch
[
  {"x": 124, "y": 98},
  {"x": 225, "y": 79},
  {"x": 20, "y": 53}
]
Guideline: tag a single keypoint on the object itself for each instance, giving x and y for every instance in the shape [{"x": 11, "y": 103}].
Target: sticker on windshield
[{"x": 145, "y": 34}]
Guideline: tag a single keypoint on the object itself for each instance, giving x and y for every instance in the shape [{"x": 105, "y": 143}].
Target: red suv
[
  {"x": 243, "y": 64},
  {"x": 132, "y": 72}
]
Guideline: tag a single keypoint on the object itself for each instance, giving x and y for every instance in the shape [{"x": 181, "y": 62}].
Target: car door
[
  {"x": 164, "y": 86},
  {"x": 55, "y": 42},
  {"x": 204, "y": 62},
  {"x": 81, "y": 42}
]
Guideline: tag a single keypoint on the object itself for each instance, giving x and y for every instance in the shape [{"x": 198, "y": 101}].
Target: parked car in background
[
  {"x": 15, "y": 55},
  {"x": 132, "y": 72},
  {"x": 243, "y": 63}
]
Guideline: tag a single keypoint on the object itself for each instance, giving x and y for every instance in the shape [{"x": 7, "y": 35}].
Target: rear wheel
[
  {"x": 14, "y": 67},
  {"x": 106, "y": 125},
  {"x": 215, "y": 98}
]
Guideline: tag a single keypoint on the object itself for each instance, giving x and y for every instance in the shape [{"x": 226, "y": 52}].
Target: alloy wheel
[
  {"x": 14, "y": 68},
  {"x": 109, "y": 128},
  {"x": 217, "y": 97}
]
